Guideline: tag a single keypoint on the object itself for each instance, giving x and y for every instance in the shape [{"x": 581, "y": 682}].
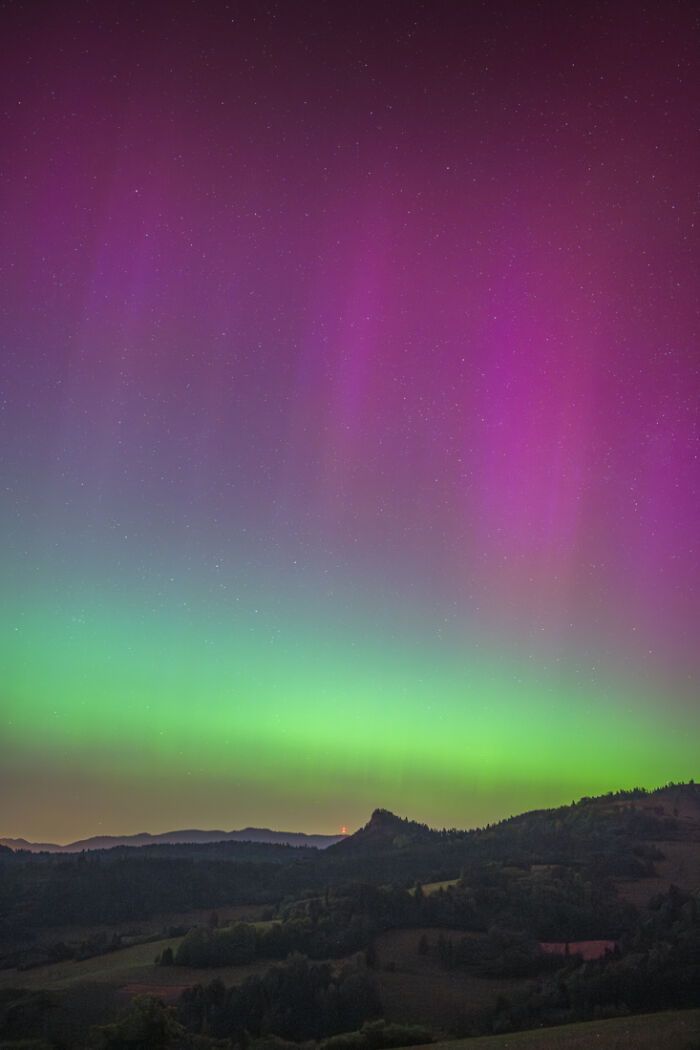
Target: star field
[{"x": 349, "y": 410}]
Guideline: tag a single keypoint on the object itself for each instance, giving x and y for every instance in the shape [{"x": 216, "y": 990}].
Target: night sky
[{"x": 349, "y": 390}]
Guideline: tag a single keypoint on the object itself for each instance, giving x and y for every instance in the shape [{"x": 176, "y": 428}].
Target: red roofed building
[{"x": 588, "y": 950}]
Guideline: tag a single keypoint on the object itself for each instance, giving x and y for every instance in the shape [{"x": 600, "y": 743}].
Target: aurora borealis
[{"x": 349, "y": 410}]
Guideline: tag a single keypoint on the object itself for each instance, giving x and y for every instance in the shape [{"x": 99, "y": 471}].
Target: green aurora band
[{"x": 258, "y": 715}]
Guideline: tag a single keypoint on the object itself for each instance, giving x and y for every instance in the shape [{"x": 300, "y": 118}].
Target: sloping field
[
  {"x": 416, "y": 989},
  {"x": 157, "y": 926},
  {"x": 675, "y": 1030},
  {"x": 444, "y": 1002},
  {"x": 433, "y": 887},
  {"x": 111, "y": 968},
  {"x": 130, "y": 968},
  {"x": 680, "y": 867}
]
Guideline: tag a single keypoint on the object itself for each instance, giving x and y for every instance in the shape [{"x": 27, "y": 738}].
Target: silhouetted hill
[
  {"x": 383, "y": 831},
  {"x": 193, "y": 836},
  {"x": 646, "y": 840},
  {"x": 672, "y": 810}
]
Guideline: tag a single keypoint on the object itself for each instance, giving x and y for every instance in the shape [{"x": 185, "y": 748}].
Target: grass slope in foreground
[{"x": 673, "y": 1030}]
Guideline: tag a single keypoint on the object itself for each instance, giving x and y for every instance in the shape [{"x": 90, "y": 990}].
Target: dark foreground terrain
[{"x": 565, "y": 926}]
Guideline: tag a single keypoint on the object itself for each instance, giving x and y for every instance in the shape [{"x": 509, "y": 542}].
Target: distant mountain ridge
[{"x": 192, "y": 835}]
